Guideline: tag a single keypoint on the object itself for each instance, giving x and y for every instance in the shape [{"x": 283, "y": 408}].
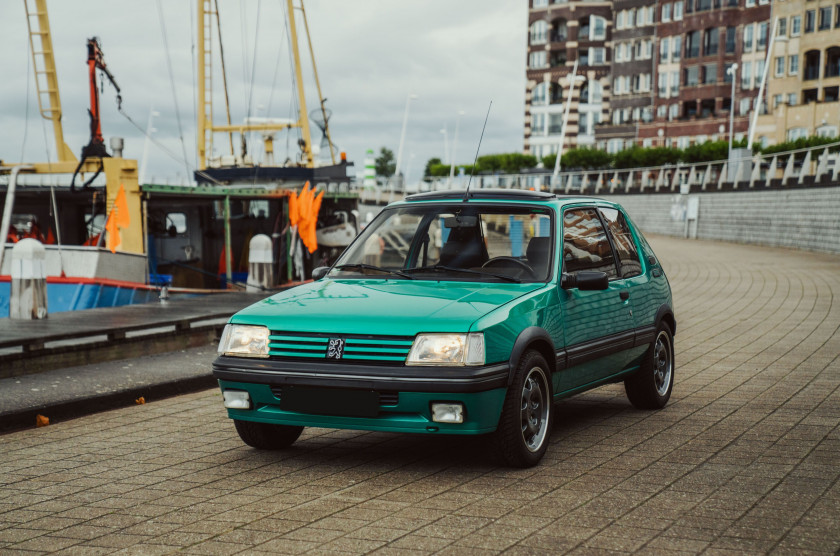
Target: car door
[
  {"x": 598, "y": 325},
  {"x": 645, "y": 295}
]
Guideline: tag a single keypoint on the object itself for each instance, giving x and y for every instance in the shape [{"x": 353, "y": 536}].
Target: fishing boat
[{"x": 111, "y": 241}]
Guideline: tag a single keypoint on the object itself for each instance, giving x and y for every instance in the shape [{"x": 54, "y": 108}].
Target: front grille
[
  {"x": 359, "y": 349},
  {"x": 386, "y": 398}
]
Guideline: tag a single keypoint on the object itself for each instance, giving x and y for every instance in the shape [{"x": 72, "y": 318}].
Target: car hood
[{"x": 381, "y": 307}]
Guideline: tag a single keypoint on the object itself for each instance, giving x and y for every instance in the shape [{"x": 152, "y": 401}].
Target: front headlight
[
  {"x": 242, "y": 340},
  {"x": 447, "y": 349}
]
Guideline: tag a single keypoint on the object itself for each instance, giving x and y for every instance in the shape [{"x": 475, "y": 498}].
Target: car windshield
[{"x": 484, "y": 243}]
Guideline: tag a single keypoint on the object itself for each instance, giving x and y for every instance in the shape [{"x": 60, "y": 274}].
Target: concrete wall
[{"x": 799, "y": 218}]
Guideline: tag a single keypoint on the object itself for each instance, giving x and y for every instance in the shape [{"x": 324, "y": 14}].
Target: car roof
[{"x": 499, "y": 195}]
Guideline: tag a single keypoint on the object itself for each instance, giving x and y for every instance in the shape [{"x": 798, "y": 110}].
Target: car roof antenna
[{"x": 467, "y": 191}]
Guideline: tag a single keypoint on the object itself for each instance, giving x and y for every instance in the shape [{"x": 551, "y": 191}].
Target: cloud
[{"x": 370, "y": 55}]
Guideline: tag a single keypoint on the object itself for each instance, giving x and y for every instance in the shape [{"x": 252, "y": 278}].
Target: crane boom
[{"x": 46, "y": 78}]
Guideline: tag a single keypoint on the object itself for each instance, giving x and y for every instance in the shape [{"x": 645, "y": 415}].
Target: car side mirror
[
  {"x": 585, "y": 280},
  {"x": 320, "y": 272}
]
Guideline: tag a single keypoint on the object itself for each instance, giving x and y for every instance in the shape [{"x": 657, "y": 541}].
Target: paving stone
[{"x": 742, "y": 460}]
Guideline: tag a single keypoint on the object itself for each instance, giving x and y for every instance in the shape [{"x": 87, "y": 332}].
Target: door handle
[{"x": 624, "y": 295}]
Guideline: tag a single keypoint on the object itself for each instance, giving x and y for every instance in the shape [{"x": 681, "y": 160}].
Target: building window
[
  {"x": 778, "y": 100},
  {"x": 727, "y": 73},
  {"x": 692, "y": 44},
  {"x": 631, "y": 17},
  {"x": 792, "y": 99},
  {"x": 809, "y": 95},
  {"x": 825, "y": 18},
  {"x": 666, "y": 12},
  {"x": 538, "y": 124},
  {"x": 539, "y": 29},
  {"x": 691, "y": 76},
  {"x": 678, "y": 11},
  {"x": 837, "y": 16},
  {"x": 744, "y": 107},
  {"x": 810, "y": 16},
  {"x": 711, "y": 39},
  {"x": 832, "y": 62},
  {"x": 560, "y": 30},
  {"x": 664, "y": 43},
  {"x": 619, "y": 19},
  {"x": 673, "y": 111},
  {"x": 762, "y": 35},
  {"x": 793, "y": 68},
  {"x": 812, "y": 65},
  {"x": 540, "y": 4},
  {"x": 729, "y": 46},
  {"x": 598, "y": 28},
  {"x": 537, "y": 59},
  {"x": 827, "y": 131},
  {"x": 750, "y": 3},
  {"x": 795, "y": 133},
  {"x": 710, "y": 73},
  {"x": 676, "y": 48},
  {"x": 795, "y": 25},
  {"x": 675, "y": 83},
  {"x": 703, "y": 5},
  {"x": 649, "y": 15},
  {"x": 782, "y": 29},
  {"x": 597, "y": 56},
  {"x": 663, "y": 85},
  {"x": 759, "y": 71},
  {"x": 661, "y": 111},
  {"x": 746, "y": 75},
  {"x": 831, "y": 94},
  {"x": 780, "y": 66},
  {"x": 748, "y": 37},
  {"x": 538, "y": 95}
]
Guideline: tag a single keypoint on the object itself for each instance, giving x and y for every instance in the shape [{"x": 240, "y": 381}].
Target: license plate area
[{"x": 330, "y": 401}]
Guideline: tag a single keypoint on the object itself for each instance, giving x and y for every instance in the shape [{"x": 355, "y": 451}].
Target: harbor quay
[{"x": 743, "y": 460}]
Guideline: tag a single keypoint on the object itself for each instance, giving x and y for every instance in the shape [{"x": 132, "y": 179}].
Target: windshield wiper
[
  {"x": 443, "y": 268},
  {"x": 362, "y": 266}
]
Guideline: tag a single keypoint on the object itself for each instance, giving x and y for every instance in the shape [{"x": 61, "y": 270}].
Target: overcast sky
[{"x": 371, "y": 55}]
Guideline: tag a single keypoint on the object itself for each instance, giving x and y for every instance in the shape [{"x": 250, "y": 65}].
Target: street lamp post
[
  {"x": 445, "y": 144},
  {"x": 732, "y": 72},
  {"x": 454, "y": 148},
  {"x": 402, "y": 135}
]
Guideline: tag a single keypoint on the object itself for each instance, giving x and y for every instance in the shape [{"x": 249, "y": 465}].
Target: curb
[{"x": 63, "y": 411}]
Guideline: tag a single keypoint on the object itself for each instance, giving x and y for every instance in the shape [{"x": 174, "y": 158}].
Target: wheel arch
[
  {"x": 535, "y": 338},
  {"x": 666, "y": 314}
]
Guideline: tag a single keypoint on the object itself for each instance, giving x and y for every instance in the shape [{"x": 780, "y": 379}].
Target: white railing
[{"x": 803, "y": 167}]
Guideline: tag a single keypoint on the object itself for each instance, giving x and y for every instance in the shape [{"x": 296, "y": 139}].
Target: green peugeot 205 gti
[{"x": 457, "y": 313}]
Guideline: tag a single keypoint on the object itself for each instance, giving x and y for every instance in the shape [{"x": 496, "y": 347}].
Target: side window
[
  {"x": 628, "y": 255},
  {"x": 585, "y": 243}
]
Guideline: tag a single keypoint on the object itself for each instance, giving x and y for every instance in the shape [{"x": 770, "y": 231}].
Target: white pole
[
  {"x": 7, "y": 209},
  {"x": 402, "y": 135},
  {"x": 733, "y": 70},
  {"x": 757, "y": 107},
  {"x": 454, "y": 147},
  {"x": 572, "y": 78}
]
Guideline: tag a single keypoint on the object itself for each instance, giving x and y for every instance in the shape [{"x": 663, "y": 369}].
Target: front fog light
[
  {"x": 447, "y": 413},
  {"x": 237, "y": 399}
]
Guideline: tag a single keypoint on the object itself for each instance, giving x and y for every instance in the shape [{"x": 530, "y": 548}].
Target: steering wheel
[{"x": 503, "y": 261}]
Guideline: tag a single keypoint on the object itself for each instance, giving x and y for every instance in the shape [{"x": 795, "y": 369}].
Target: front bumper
[{"x": 405, "y": 407}]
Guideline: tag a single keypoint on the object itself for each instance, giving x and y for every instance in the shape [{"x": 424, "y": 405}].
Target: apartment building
[
  {"x": 560, "y": 33},
  {"x": 803, "y": 92}
]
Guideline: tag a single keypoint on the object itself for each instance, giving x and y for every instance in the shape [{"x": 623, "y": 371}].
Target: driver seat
[
  {"x": 538, "y": 255},
  {"x": 464, "y": 249}
]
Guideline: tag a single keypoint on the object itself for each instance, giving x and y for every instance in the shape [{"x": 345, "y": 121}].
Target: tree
[
  {"x": 385, "y": 165},
  {"x": 432, "y": 162}
]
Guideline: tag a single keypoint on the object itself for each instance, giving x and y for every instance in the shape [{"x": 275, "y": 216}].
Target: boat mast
[
  {"x": 318, "y": 84},
  {"x": 303, "y": 118},
  {"x": 206, "y": 129},
  {"x": 49, "y": 101}
]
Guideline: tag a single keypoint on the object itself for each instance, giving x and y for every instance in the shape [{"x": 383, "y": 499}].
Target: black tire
[
  {"x": 264, "y": 436},
  {"x": 527, "y": 418},
  {"x": 650, "y": 387}
]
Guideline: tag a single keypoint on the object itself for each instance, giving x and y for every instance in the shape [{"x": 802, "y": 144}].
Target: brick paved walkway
[{"x": 745, "y": 458}]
